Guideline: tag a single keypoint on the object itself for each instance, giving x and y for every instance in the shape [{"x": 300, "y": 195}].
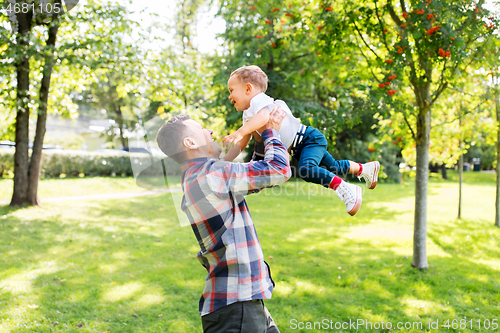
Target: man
[{"x": 238, "y": 277}]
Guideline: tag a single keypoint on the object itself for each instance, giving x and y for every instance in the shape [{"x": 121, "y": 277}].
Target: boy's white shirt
[{"x": 290, "y": 124}]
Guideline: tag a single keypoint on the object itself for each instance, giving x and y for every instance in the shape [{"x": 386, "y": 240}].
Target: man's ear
[{"x": 189, "y": 143}]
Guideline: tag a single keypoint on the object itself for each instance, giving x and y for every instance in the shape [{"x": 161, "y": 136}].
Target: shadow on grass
[
  {"x": 97, "y": 268},
  {"x": 7, "y": 209}
]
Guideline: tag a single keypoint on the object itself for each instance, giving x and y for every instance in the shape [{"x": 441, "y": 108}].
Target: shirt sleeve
[
  {"x": 244, "y": 178},
  {"x": 260, "y": 102}
]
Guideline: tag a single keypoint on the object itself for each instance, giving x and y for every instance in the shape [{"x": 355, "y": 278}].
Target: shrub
[{"x": 74, "y": 163}]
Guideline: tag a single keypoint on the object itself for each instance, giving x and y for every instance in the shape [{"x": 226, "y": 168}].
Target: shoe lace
[
  {"x": 364, "y": 176},
  {"x": 346, "y": 195}
]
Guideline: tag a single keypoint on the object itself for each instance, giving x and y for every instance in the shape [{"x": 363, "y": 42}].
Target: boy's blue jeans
[{"x": 316, "y": 165}]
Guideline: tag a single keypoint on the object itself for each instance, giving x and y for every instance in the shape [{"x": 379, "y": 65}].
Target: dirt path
[{"x": 102, "y": 196}]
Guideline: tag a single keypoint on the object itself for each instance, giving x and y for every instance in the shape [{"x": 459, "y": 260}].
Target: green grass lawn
[
  {"x": 74, "y": 186},
  {"x": 127, "y": 265}
]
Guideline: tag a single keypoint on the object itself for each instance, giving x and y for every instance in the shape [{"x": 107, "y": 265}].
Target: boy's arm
[
  {"x": 237, "y": 148},
  {"x": 255, "y": 123},
  {"x": 244, "y": 178}
]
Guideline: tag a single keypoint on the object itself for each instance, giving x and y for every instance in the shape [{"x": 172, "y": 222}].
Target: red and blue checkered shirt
[{"x": 214, "y": 202}]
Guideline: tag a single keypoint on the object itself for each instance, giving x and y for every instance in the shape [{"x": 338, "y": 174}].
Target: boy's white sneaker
[
  {"x": 350, "y": 194},
  {"x": 370, "y": 174}
]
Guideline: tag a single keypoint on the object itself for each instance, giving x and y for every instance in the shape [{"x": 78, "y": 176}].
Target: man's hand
[
  {"x": 275, "y": 118},
  {"x": 232, "y": 138}
]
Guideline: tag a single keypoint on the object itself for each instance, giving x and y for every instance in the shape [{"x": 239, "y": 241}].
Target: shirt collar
[
  {"x": 195, "y": 162},
  {"x": 255, "y": 99}
]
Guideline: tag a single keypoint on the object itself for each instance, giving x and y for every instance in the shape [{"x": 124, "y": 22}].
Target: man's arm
[{"x": 258, "y": 151}]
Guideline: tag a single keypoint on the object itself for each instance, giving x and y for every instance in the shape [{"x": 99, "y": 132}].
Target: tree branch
[
  {"x": 368, "y": 46},
  {"x": 381, "y": 27},
  {"x": 371, "y": 70},
  {"x": 393, "y": 14},
  {"x": 409, "y": 126},
  {"x": 463, "y": 92},
  {"x": 443, "y": 84},
  {"x": 301, "y": 56},
  {"x": 439, "y": 91},
  {"x": 457, "y": 118},
  {"x": 402, "y": 4}
]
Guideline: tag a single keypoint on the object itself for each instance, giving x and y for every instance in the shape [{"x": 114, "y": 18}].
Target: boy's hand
[{"x": 232, "y": 138}]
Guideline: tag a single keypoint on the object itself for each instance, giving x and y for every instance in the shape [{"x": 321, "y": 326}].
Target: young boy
[{"x": 247, "y": 86}]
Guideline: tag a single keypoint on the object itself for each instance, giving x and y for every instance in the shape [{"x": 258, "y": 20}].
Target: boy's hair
[
  {"x": 252, "y": 74},
  {"x": 170, "y": 137}
]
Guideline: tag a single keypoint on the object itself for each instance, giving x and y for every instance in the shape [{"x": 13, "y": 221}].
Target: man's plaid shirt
[{"x": 214, "y": 203}]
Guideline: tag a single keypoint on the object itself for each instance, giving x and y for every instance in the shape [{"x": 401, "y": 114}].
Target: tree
[
  {"x": 405, "y": 45},
  {"x": 288, "y": 41},
  {"x": 27, "y": 172},
  {"x": 118, "y": 78},
  {"x": 27, "y": 48},
  {"x": 497, "y": 109},
  {"x": 178, "y": 75}
]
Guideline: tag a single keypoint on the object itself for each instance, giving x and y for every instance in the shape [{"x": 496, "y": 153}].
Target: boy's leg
[
  {"x": 309, "y": 160},
  {"x": 343, "y": 167},
  {"x": 368, "y": 171},
  {"x": 311, "y": 154}
]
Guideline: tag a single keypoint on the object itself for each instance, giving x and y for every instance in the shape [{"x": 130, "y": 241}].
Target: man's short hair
[
  {"x": 252, "y": 74},
  {"x": 170, "y": 138}
]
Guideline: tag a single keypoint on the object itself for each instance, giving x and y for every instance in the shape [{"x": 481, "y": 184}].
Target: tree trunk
[
  {"x": 421, "y": 181},
  {"x": 36, "y": 156},
  {"x": 19, "y": 195},
  {"x": 443, "y": 171},
  {"x": 120, "y": 125},
  {"x": 460, "y": 165},
  {"x": 497, "y": 201}
]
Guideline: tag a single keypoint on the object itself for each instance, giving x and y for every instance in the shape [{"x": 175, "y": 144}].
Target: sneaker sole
[
  {"x": 375, "y": 176},
  {"x": 357, "y": 206}
]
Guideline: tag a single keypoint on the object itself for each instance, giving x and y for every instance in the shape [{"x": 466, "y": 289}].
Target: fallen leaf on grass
[
  {"x": 55, "y": 323},
  {"x": 400, "y": 265},
  {"x": 33, "y": 306},
  {"x": 62, "y": 280},
  {"x": 160, "y": 315},
  {"x": 133, "y": 314},
  {"x": 80, "y": 325}
]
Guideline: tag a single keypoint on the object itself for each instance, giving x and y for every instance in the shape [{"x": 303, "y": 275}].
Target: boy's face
[{"x": 239, "y": 93}]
